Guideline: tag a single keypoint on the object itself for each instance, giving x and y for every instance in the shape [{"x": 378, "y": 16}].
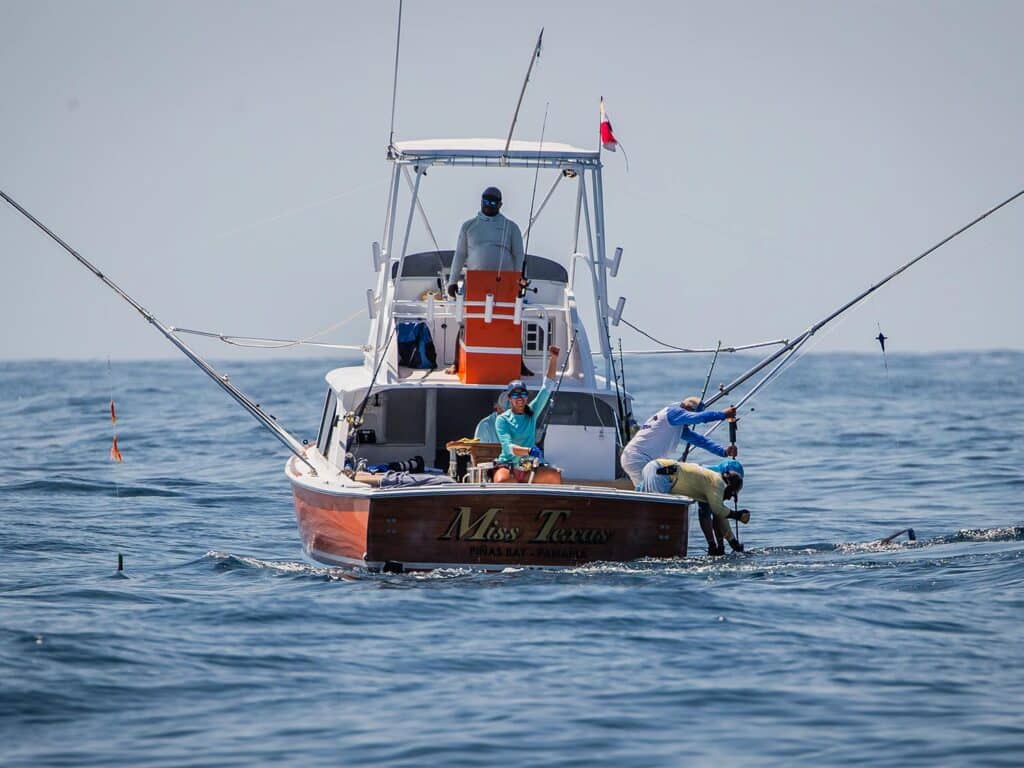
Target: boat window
[
  {"x": 327, "y": 422},
  {"x": 581, "y": 409},
  {"x": 535, "y": 338},
  {"x": 460, "y": 410},
  {"x": 405, "y": 416}
]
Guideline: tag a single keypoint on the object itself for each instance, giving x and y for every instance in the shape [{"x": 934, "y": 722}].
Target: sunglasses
[
  {"x": 488, "y": 201},
  {"x": 519, "y": 394}
]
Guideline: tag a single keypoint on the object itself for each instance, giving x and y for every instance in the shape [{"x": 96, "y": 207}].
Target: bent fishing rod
[
  {"x": 790, "y": 348},
  {"x": 265, "y": 419}
]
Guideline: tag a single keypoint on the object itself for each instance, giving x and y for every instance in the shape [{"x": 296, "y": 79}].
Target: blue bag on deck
[{"x": 416, "y": 346}]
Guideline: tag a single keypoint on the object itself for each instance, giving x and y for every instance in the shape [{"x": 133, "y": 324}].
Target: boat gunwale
[{"x": 481, "y": 489}]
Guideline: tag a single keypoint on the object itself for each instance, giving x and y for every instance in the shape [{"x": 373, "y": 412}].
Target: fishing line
[
  {"x": 356, "y": 418},
  {"x": 703, "y": 351},
  {"x": 292, "y": 212},
  {"x": 703, "y": 394},
  {"x": 536, "y": 176},
  {"x": 257, "y": 342},
  {"x": 672, "y": 349}
]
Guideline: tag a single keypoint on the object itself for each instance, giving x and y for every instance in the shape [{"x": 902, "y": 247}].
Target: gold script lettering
[
  {"x": 551, "y": 518},
  {"x": 463, "y": 523}
]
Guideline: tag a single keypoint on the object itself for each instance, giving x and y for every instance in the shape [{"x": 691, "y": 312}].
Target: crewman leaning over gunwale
[
  {"x": 710, "y": 487},
  {"x": 658, "y": 437}
]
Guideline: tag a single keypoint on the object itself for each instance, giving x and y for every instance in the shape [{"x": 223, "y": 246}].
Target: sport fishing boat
[
  {"x": 433, "y": 366},
  {"x": 386, "y": 411}
]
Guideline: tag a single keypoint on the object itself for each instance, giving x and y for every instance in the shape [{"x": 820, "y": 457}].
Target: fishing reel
[
  {"x": 532, "y": 461},
  {"x": 353, "y": 420}
]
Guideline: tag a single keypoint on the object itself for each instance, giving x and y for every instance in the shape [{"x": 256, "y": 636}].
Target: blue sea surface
[{"x": 222, "y": 645}]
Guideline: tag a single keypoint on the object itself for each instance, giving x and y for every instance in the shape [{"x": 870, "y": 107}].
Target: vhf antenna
[{"x": 533, "y": 58}]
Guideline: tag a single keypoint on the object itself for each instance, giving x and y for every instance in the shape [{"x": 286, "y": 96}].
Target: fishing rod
[
  {"x": 767, "y": 377},
  {"x": 265, "y": 419},
  {"x": 515, "y": 115},
  {"x": 355, "y": 418},
  {"x": 558, "y": 385},
  {"x": 624, "y": 414},
  {"x": 806, "y": 335},
  {"x": 704, "y": 392}
]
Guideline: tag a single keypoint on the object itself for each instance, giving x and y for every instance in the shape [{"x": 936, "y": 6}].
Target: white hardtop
[{"x": 489, "y": 149}]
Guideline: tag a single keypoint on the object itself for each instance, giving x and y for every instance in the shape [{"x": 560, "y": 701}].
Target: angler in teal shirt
[{"x": 517, "y": 430}]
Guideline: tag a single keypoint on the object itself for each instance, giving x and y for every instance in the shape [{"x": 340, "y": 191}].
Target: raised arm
[{"x": 541, "y": 398}]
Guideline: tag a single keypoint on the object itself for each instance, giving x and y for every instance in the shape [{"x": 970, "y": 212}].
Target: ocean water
[{"x": 221, "y": 645}]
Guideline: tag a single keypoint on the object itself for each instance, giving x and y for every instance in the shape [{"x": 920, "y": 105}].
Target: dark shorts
[{"x": 519, "y": 474}]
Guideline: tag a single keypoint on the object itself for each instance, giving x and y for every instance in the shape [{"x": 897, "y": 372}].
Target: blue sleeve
[
  {"x": 504, "y": 436},
  {"x": 678, "y": 416},
  {"x": 697, "y": 439}
]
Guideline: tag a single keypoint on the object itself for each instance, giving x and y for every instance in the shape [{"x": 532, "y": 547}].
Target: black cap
[{"x": 492, "y": 193}]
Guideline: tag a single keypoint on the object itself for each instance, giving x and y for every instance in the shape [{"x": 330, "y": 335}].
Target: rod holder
[
  {"x": 377, "y": 257},
  {"x": 430, "y": 309},
  {"x": 616, "y": 314},
  {"x": 613, "y": 270},
  {"x": 517, "y": 313},
  {"x": 371, "y": 305},
  {"x": 489, "y": 308},
  {"x": 460, "y": 307}
]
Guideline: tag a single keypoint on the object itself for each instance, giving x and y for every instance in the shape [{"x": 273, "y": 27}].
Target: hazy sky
[{"x": 224, "y": 162}]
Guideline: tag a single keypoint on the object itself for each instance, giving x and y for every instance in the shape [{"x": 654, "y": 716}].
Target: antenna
[
  {"x": 394, "y": 84},
  {"x": 515, "y": 116}
]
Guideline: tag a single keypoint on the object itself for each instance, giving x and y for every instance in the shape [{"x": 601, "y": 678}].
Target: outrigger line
[
  {"x": 791, "y": 347},
  {"x": 268, "y": 421}
]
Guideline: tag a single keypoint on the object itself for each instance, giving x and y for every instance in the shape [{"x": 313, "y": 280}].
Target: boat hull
[{"x": 489, "y": 527}]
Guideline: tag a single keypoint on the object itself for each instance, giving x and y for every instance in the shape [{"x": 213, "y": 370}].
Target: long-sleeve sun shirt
[
  {"x": 488, "y": 242},
  {"x": 520, "y": 429},
  {"x": 658, "y": 436},
  {"x": 701, "y": 484}
]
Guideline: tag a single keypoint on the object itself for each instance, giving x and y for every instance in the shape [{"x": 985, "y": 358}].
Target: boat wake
[{"x": 756, "y": 561}]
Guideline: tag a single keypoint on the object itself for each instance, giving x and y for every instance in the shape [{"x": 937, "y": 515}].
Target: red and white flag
[{"x": 608, "y": 140}]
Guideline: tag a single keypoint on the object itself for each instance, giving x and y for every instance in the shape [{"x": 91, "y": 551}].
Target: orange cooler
[{"x": 491, "y": 353}]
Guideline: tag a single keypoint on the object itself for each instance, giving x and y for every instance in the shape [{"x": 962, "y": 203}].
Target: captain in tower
[{"x": 488, "y": 241}]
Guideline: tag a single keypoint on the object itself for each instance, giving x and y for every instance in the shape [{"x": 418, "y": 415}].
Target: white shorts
[{"x": 633, "y": 463}]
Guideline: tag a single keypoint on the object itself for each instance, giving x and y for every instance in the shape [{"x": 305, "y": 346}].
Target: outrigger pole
[
  {"x": 515, "y": 115},
  {"x": 268, "y": 421},
  {"x": 394, "y": 83},
  {"x": 791, "y": 347}
]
